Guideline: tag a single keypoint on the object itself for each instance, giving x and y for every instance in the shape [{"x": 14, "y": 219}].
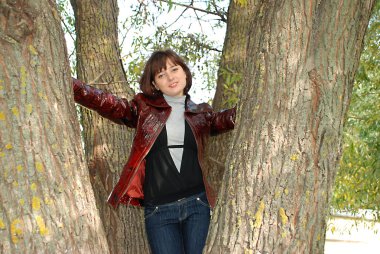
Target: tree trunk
[
  {"x": 46, "y": 201},
  {"x": 230, "y": 73},
  {"x": 301, "y": 61},
  {"x": 107, "y": 145}
]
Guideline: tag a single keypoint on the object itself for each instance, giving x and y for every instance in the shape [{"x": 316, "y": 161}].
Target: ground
[{"x": 348, "y": 235}]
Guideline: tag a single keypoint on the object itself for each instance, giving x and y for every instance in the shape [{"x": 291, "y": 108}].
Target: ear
[{"x": 154, "y": 85}]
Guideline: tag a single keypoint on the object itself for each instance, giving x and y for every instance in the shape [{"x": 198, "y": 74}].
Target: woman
[{"x": 165, "y": 169}]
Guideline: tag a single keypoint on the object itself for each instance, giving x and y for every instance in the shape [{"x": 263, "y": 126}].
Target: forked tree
[{"x": 301, "y": 59}]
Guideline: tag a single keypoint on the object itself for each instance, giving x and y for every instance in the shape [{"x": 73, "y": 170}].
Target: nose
[{"x": 169, "y": 76}]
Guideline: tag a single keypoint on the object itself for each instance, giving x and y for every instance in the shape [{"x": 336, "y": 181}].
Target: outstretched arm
[
  {"x": 116, "y": 109},
  {"x": 223, "y": 121}
]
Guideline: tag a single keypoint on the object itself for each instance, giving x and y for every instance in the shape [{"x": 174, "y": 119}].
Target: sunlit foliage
[{"x": 358, "y": 180}]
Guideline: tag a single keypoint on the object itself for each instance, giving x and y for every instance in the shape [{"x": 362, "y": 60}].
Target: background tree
[
  {"x": 106, "y": 144},
  {"x": 46, "y": 201},
  {"x": 357, "y": 184},
  {"x": 301, "y": 61}
]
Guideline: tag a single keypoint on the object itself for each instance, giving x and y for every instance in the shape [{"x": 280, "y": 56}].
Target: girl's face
[{"x": 171, "y": 81}]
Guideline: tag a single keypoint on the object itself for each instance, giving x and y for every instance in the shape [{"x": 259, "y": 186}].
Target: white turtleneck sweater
[{"x": 175, "y": 127}]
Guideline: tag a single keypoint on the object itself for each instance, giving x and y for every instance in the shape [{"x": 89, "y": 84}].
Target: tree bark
[
  {"x": 301, "y": 61},
  {"x": 233, "y": 61},
  {"x": 46, "y": 201},
  {"x": 107, "y": 145}
]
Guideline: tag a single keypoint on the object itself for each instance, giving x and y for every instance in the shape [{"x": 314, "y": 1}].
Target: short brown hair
[{"x": 155, "y": 64}]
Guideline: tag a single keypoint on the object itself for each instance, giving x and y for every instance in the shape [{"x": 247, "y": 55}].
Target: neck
[{"x": 175, "y": 99}]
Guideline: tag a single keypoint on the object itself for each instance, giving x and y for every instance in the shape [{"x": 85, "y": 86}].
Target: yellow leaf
[
  {"x": 15, "y": 111},
  {"x": 16, "y": 230},
  {"x": 39, "y": 167},
  {"x": 32, "y": 50},
  {"x": 294, "y": 157},
  {"x": 259, "y": 215},
  {"x": 248, "y": 251},
  {"x": 242, "y": 3},
  {"x": 2, "y": 225},
  {"x": 36, "y": 203},
  {"x": 283, "y": 216},
  {"x": 23, "y": 76},
  {"x": 41, "y": 226}
]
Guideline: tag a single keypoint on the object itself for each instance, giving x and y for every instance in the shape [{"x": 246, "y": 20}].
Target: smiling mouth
[{"x": 173, "y": 85}]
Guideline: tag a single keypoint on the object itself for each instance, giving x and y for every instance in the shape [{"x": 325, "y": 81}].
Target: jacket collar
[
  {"x": 160, "y": 102},
  {"x": 157, "y": 102},
  {"x": 196, "y": 108}
]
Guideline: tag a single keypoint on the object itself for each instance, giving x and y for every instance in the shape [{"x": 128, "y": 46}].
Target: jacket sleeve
[
  {"x": 223, "y": 121},
  {"x": 116, "y": 109}
]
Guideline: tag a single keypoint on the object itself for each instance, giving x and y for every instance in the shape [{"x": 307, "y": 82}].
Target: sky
[{"x": 188, "y": 22}]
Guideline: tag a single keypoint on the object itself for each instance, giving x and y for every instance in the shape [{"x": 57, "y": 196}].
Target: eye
[
  {"x": 175, "y": 69},
  {"x": 160, "y": 75}
]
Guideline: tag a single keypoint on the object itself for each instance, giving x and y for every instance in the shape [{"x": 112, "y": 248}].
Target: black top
[{"x": 163, "y": 183}]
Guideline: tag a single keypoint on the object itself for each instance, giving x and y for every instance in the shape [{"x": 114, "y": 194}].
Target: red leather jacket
[{"x": 148, "y": 116}]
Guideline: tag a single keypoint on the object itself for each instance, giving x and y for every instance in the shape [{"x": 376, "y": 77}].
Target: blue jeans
[{"x": 178, "y": 227}]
